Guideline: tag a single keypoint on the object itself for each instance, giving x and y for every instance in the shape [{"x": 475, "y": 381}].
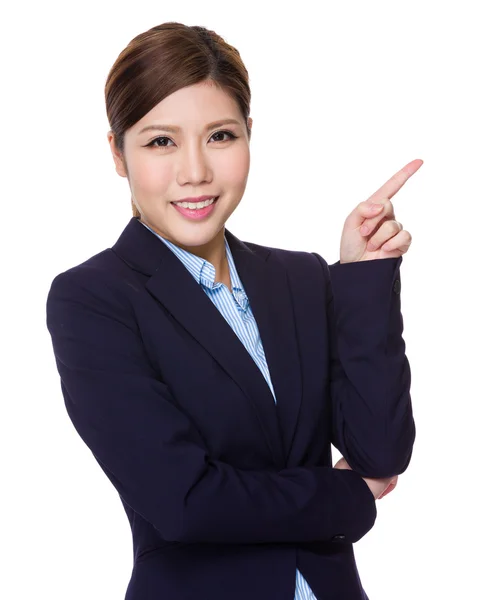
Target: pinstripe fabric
[{"x": 236, "y": 310}]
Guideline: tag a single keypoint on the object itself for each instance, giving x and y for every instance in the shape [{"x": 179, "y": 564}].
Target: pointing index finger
[{"x": 396, "y": 182}]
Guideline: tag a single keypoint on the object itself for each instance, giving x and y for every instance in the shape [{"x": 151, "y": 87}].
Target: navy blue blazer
[{"x": 226, "y": 492}]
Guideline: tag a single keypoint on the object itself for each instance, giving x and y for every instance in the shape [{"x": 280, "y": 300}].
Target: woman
[{"x": 209, "y": 376}]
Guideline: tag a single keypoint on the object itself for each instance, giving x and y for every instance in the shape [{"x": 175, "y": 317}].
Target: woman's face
[{"x": 196, "y": 159}]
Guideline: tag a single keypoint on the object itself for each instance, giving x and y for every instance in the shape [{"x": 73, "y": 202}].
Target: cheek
[
  {"x": 150, "y": 176},
  {"x": 234, "y": 167}
]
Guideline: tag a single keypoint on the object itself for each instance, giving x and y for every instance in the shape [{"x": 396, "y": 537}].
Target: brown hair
[{"x": 161, "y": 61}]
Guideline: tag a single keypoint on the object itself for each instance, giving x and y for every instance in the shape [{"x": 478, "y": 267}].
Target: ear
[
  {"x": 117, "y": 156},
  {"x": 250, "y": 125}
]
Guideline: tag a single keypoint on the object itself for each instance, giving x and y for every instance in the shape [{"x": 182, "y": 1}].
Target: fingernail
[{"x": 376, "y": 205}]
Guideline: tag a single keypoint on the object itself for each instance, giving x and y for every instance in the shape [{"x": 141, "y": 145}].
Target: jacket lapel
[{"x": 266, "y": 285}]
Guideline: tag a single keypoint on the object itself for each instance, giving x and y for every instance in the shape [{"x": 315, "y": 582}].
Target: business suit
[
  {"x": 226, "y": 492},
  {"x": 231, "y": 300}
]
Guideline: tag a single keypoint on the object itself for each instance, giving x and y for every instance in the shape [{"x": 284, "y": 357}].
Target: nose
[{"x": 193, "y": 165}]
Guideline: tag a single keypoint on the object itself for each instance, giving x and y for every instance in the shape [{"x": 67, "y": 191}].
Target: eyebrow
[{"x": 173, "y": 129}]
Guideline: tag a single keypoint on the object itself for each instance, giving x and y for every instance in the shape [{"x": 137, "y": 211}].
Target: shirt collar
[{"x": 203, "y": 271}]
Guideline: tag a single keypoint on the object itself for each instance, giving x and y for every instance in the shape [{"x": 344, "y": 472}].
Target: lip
[
  {"x": 198, "y": 199},
  {"x": 194, "y": 214}
]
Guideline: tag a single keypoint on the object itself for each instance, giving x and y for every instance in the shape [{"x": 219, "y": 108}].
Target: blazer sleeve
[
  {"x": 372, "y": 420},
  {"x": 155, "y": 456}
]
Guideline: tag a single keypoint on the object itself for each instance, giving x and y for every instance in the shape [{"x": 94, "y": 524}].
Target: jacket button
[
  {"x": 397, "y": 286},
  {"x": 338, "y": 538}
]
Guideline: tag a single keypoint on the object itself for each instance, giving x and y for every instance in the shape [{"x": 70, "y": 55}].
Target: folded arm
[{"x": 155, "y": 456}]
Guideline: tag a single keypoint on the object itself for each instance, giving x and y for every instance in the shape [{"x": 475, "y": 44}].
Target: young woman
[{"x": 210, "y": 376}]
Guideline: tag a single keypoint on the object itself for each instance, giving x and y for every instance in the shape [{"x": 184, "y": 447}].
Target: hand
[
  {"x": 379, "y": 487},
  {"x": 370, "y": 231}
]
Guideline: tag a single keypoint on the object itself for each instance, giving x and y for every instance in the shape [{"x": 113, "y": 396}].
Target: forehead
[{"x": 192, "y": 108}]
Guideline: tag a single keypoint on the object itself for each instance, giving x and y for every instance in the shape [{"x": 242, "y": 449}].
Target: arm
[
  {"x": 156, "y": 458},
  {"x": 373, "y": 425}
]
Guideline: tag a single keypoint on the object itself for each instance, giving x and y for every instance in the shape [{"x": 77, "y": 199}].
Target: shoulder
[
  {"x": 98, "y": 281},
  {"x": 292, "y": 259}
]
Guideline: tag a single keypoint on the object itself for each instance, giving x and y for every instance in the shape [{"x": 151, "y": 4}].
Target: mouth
[
  {"x": 196, "y": 213},
  {"x": 195, "y": 202}
]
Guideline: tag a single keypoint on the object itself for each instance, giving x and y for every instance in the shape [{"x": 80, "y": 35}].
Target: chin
[{"x": 198, "y": 238}]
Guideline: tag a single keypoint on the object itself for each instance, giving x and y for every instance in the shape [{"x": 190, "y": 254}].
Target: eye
[
  {"x": 163, "y": 145},
  {"x": 230, "y": 133},
  {"x": 158, "y": 139}
]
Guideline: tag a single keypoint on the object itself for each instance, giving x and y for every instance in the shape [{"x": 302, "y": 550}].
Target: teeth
[{"x": 195, "y": 205}]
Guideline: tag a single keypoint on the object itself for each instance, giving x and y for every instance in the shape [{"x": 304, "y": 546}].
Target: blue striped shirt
[{"x": 235, "y": 308}]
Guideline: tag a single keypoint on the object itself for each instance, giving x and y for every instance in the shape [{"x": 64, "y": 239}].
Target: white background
[{"x": 344, "y": 95}]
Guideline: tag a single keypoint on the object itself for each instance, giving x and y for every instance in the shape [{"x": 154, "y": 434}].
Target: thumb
[{"x": 364, "y": 210}]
